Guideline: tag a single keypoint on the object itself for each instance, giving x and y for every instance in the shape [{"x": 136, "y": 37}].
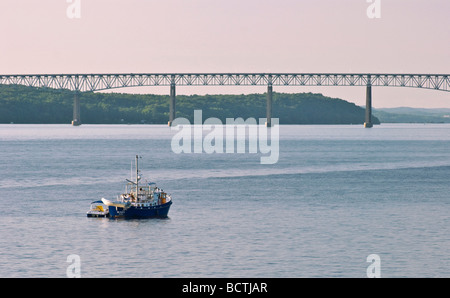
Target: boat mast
[{"x": 137, "y": 178}]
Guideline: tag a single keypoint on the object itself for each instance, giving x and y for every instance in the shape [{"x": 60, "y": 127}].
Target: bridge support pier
[
  {"x": 172, "y": 104},
  {"x": 368, "y": 123},
  {"x": 76, "y": 110},
  {"x": 269, "y": 106}
]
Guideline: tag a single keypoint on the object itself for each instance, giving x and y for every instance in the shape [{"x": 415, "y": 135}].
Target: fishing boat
[{"x": 140, "y": 200}]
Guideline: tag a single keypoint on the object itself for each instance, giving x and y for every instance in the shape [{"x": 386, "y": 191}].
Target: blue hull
[{"x": 159, "y": 211}]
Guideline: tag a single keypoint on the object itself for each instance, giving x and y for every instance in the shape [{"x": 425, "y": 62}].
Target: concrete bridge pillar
[
  {"x": 76, "y": 110},
  {"x": 269, "y": 106},
  {"x": 172, "y": 104},
  {"x": 368, "y": 122}
]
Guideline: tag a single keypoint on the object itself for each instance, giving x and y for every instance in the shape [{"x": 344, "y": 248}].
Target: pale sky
[{"x": 131, "y": 36}]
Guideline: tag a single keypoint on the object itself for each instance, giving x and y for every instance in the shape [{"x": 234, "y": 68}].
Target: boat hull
[
  {"x": 159, "y": 211},
  {"x": 97, "y": 214}
]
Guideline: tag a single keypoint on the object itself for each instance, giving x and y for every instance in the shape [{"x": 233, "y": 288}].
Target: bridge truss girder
[{"x": 97, "y": 82}]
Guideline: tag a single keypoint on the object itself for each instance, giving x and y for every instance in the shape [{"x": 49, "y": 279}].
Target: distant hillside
[
  {"x": 412, "y": 115},
  {"x": 20, "y": 104}
]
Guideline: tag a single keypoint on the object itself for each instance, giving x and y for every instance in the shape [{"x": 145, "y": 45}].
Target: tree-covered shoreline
[{"x": 30, "y": 105}]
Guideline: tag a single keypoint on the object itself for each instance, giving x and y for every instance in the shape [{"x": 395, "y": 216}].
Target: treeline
[{"x": 21, "y": 104}]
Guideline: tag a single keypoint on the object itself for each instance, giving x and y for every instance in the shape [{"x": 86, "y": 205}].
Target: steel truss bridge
[{"x": 98, "y": 82}]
